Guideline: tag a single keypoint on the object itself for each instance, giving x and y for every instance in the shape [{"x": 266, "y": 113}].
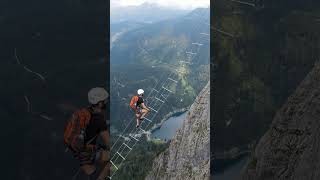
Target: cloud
[{"x": 177, "y": 4}]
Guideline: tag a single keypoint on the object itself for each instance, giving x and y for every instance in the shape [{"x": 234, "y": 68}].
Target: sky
[{"x": 177, "y": 4}]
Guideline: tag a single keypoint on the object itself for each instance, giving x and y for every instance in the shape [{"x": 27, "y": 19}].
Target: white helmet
[
  {"x": 97, "y": 94},
  {"x": 140, "y": 91}
]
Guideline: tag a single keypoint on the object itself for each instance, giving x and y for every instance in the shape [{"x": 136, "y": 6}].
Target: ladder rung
[
  {"x": 163, "y": 96},
  {"x": 125, "y": 138},
  {"x": 147, "y": 119},
  {"x": 127, "y": 146},
  {"x": 167, "y": 89},
  {"x": 153, "y": 109},
  {"x": 246, "y": 3},
  {"x": 114, "y": 165},
  {"x": 142, "y": 130},
  {"x": 159, "y": 100},
  {"x": 121, "y": 156},
  {"x": 186, "y": 62},
  {"x": 133, "y": 137},
  {"x": 155, "y": 90},
  {"x": 206, "y": 34},
  {"x": 173, "y": 80},
  {"x": 199, "y": 44},
  {"x": 191, "y": 53}
]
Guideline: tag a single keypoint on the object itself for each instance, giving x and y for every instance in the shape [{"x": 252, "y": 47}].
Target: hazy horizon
[{"x": 179, "y": 4}]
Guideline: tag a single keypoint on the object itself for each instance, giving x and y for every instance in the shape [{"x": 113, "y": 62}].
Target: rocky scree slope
[
  {"x": 291, "y": 147},
  {"x": 188, "y": 155}
]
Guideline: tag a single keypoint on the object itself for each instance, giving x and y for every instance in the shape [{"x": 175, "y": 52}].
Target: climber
[
  {"x": 137, "y": 104},
  {"x": 82, "y": 131}
]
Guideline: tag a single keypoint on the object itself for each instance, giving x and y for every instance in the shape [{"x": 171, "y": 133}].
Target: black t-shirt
[
  {"x": 140, "y": 101},
  {"x": 96, "y": 125}
]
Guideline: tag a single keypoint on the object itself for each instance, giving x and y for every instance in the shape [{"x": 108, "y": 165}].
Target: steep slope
[
  {"x": 188, "y": 154},
  {"x": 290, "y": 148}
]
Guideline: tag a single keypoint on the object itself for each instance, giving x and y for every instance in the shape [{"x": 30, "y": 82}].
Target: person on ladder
[
  {"x": 82, "y": 131},
  {"x": 137, "y": 104}
]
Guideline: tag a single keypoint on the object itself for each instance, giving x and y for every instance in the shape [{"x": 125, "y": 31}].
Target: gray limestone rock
[
  {"x": 188, "y": 156},
  {"x": 290, "y": 149}
]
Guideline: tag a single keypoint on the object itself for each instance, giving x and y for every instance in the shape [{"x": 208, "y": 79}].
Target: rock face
[
  {"x": 291, "y": 147},
  {"x": 188, "y": 156}
]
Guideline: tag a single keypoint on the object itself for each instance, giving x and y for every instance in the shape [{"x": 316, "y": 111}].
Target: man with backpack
[
  {"x": 82, "y": 131},
  {"x": 137, "y": 104}
]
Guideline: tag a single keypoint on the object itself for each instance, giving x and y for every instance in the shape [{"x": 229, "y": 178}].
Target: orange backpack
[
  {"x": 133, "y": 102},
  {"x": 74, "y": 130}
]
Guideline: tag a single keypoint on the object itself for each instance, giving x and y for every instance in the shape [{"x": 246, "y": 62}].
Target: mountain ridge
[{"x": 146, "y": 12}]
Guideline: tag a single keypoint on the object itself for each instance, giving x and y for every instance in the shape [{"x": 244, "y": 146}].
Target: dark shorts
[{"x": 138, "y": 110}]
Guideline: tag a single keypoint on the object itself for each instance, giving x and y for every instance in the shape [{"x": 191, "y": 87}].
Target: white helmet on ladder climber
[{"x": 140, "y": 91}]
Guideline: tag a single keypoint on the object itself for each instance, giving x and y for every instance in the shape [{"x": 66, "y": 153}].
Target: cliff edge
[
  {"x": 188, "y": 155},
  {"x": 291, "y": 147}
]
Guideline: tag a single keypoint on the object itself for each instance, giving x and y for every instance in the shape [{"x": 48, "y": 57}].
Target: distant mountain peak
[
  {"x": 146, "y": 12},
  {"x": 148, "y": 4}
]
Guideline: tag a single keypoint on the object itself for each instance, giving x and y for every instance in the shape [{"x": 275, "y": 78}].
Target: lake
[{"x": 170, "y": 127}]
